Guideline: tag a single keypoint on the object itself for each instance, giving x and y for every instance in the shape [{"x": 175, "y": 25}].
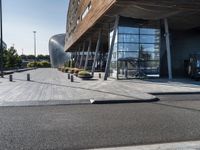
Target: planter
[{"x": 85, "y": 75}]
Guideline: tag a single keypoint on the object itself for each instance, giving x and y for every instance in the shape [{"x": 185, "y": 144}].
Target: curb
[
  {"x": 44, "y": 103},
  {"x": 72, "y": 102},
  {"x": 188, "y": 145},
  {"x": 112, "y": 101},
  {"x": 174, "y": 93}
]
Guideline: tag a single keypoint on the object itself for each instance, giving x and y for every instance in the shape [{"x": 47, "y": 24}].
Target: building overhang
[{"x": 182, "y": 15}]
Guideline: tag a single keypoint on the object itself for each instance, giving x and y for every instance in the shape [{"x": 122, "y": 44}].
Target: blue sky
[{"x": 22, "y": 17}]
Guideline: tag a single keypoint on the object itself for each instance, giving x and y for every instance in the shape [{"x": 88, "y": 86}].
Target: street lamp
[
  {"x": 34, "y": 32},
  {"x": 1, "y": 40}
]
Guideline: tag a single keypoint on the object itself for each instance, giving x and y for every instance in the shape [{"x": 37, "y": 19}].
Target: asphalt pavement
[{"x": 172, "y": 119}]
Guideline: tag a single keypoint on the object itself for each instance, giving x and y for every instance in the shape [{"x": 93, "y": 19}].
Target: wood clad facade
[{"x": 77, "y": 25}]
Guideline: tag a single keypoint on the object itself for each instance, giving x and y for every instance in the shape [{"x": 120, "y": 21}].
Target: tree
[
  {"x": 30, "y": 57},
  {"x": 11, "y": 58},
  {"x": 43, "y": 57}
]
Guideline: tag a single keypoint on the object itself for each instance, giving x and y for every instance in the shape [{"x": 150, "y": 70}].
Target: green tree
[
  {"x": 11, "y": 58},
  {"x": 43, "y": 57}
]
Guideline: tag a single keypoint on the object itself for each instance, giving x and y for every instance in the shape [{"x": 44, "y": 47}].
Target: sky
[{"x": 22, "y": 17}]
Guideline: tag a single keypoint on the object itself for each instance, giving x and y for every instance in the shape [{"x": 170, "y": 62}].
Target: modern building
[
  {"x": 56, "y": 51},
  {"x": 129, "y": 38}
]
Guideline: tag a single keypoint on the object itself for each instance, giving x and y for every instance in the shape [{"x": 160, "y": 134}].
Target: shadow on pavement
[{"x": 94, "y": 90}]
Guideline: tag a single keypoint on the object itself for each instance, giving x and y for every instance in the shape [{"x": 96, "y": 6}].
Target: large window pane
[
  {"x": 149, "y": 56},
  {"x": 128, "y": 47},
  {"x": 149, "y": 39},
  {"x": 150, "y": 47},
  {"x": 128, "y": 38},
  {"x": 130, "y": 30},
  {"x": 150, "y": 64},
  {"x": 122, "y": 55},
  {"x": 149, "y": 31},
  {"x": 134, "y": 43}
]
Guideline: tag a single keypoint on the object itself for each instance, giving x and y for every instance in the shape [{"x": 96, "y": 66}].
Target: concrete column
[
  {"x": 168, "y": 49},
  {"x": 111, "y": 48},
  {"x": 96, "y": 52},
  {"x": 80, "y": 65},
  {"x": 77, "y": 57},
  {"x": 89, "y": 49}
]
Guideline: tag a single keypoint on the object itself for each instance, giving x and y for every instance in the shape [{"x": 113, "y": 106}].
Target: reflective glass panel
[
  {"x": 144, "y": 55},
  {"x": 127, "y": 55},
  {"x": 149, "y": 39},
  {"x": 150, "y": 47},
  {"x": 128, "y": 38},
  {"x": 149, "y": 31},
  {"x": 130, "y": 30},
  {"x": 128, "y": 47}
]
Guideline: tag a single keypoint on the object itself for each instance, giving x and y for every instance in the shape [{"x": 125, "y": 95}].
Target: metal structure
[
  {"x": 56, "y": 50},
  {"x": 34, "y": 34},
  {"x": 1, "y": 38}
]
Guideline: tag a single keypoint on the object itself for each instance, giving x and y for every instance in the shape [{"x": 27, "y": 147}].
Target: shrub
[
  {"x": 84, "y": 75},
  {"x": 42, "y": 64},
  {"x": 32, "y": 64},
  {"x": 63, "y": 69},
  {"x": 76, "y": 71},
  {"x": 71, "y": 70},
  {"x": 66, "y": 69}
]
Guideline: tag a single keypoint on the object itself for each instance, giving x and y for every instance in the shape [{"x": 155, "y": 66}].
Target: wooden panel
[{"x": 75, "y": 31}]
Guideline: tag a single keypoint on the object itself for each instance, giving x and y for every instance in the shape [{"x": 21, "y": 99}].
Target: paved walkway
[
  {"x": 191, "y": 145},
  {"x": 49, "y": 86}
]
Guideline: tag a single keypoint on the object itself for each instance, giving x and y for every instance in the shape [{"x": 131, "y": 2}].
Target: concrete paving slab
[
  {"x": 48, "y": 85},
  {"x": 190, "y": 145},
  {"x": 45, "y": 103},
  {"x": 53, "y": 85}
]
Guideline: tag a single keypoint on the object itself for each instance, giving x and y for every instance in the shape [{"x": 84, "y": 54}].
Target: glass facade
[{"x": 136, "y": 51}]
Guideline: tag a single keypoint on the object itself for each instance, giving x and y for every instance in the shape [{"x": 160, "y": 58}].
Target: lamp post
[
  {"x": 1, "y": 40},
  {"x": 34, "y": 33}
]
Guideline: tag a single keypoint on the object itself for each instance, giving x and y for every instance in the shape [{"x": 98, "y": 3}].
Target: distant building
[
  {"x": 130, "y": 37},
  {"x": 56, "y": 51}
]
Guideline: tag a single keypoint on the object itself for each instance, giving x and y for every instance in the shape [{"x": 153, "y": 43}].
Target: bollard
[
  {"x": 99, "y": 75},
  {"x": 28, "y": 77},
  {"x": 10, "y": 78},
  {"x": 2, "y": 75},
  {"x": 68, "y": 76},
  {"x": 72, "y": 78}
]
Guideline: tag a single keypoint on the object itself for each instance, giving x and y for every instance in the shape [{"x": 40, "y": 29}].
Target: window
[
  {"x": 130, "y": 30},
  {"x": 86, "y": 11},
  {"x": 138, "y": 46}
]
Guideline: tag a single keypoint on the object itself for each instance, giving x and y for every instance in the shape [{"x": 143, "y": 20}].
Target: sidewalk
[
  {"x": 191, "y": 145},
  {"x": 51, "y": 87}
]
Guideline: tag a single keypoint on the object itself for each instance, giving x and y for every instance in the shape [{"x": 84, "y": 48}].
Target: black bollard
[
  {"x": 72, "y": 78},
  {"x": 28, "y": 77},
  {"x": 68, "y": 76},
  {"x": 2, "y": 75},
  {"x": 10, "y": 78},
  {"x": 99, "y": 75}
]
